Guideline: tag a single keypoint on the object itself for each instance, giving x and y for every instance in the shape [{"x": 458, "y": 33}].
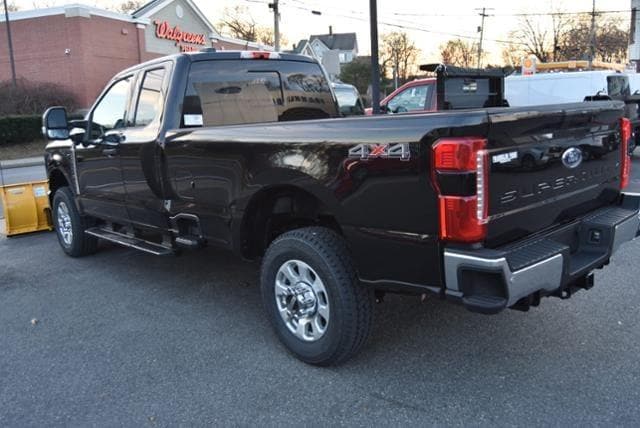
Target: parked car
[
  {"x": 218, "y": 149},
  {"x": 414, "y": 96},
  {"x": 453, "y": 88},
  {"x": 349, "y": 101}
]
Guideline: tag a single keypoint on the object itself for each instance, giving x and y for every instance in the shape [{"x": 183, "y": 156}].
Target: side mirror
[
  {"x": 78, "y": 130},
  {"x": 54, "y": 124}
]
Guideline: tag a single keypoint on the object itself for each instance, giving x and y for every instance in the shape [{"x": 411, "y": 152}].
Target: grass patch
[{"x": 22, "y": 150}]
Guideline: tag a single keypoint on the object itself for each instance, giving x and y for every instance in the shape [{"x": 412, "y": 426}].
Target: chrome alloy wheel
[
  {"x": 64, "y": 223},
  {"x": 302, "y": 300}
]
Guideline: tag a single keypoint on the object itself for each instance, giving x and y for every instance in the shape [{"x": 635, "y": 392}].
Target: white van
[
  {"x": 559, "y": 88},
  {"x": 634, "y": 83}
]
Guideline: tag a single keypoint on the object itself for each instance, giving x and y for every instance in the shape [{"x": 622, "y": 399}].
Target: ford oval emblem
[{"x": 572, "y": 157}]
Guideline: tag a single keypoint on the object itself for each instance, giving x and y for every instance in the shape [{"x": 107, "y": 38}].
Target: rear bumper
[{"x": 555, "y": 263}]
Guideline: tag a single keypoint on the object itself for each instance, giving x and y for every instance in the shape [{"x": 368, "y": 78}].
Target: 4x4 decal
[{"x": 384, "y": 151}]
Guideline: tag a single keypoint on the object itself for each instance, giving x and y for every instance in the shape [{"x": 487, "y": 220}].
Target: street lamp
[{"x": 276, "y": 22}]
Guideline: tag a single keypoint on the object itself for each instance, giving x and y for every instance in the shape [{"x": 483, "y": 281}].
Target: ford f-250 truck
[{"x": 244, "y": 150}]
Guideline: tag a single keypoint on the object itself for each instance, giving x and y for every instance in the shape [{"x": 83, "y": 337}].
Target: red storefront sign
[{"x": 165, "y": 31}]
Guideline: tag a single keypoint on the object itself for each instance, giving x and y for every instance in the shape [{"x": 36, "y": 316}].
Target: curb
[{"x": 22, "y": 163}]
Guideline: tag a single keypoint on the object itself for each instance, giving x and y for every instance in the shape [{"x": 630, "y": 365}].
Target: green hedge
[{"x": 20, "y": 129}]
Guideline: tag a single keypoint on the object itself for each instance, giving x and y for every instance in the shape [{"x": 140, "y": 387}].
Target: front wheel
[
  {"x": 70, "y": 225},
  {"x": 313, "y": 298}
]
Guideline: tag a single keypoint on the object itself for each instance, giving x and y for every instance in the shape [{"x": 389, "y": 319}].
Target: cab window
[
  {"x": 411, "y": 99},
  {"x": 110, "y": 112},
  {"x": 231, "y": 92},
  {"x": 149, "y": 104}
]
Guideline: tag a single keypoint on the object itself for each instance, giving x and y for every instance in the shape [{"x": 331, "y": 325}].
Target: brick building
[{"x": 82, "y": 47}]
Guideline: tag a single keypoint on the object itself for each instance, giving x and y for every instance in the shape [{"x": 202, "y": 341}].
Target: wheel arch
[
  {"x": 278, "y": 208},
  {"x": 57, "y": 179}
]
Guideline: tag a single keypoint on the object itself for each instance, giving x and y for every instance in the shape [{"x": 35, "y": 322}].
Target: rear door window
[
  {"x": 149, "y": 102},
  {"x": 231, "y": 92}
]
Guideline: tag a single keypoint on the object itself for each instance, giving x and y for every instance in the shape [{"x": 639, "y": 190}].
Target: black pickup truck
[{"x": 245, "y": 151}]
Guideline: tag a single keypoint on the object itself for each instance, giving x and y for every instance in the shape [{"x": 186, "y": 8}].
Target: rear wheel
[
  {"x": 313, "y": 298},
  {"x": 70, "y": 225}
]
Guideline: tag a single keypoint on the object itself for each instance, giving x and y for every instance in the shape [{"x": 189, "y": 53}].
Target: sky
[{"x": 428, "y": 23}]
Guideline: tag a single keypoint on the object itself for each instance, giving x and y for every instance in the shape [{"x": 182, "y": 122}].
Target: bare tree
[
  {"x": 533, "y": 36},
  {"x": 237, "y": 22},
  {"x": 399, "y": 51},
  {"x": 128, "y": 6},
  {"x": 611, "y": 39},
  {"x": 43, "y": 4},
  {"x": 11, "y": 7},
  {"x": 512, "y": 55},
  {"x": 544, "y": 36},
  {"x": 459, "y": 52}
]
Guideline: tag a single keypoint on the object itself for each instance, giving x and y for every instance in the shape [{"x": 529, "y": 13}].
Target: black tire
[
  {"x": 350, "y": 302},
  {"x": 79, "y": 244}
]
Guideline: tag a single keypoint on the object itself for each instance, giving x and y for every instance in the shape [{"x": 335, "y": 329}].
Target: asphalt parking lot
[
  {"x": 124, "y": 338},
  {"x": 127, "y": 338}
]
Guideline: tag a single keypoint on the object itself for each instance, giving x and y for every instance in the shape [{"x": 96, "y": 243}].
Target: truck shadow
[{"x": 406, "y": 329}]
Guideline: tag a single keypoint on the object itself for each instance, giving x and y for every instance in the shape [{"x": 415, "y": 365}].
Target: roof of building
[
  {"x": 145, "y": 7},
  {"x": 71, "y": 10},
  {"x": 154, "y": 6},
  {"x": 337, "y": 41}
]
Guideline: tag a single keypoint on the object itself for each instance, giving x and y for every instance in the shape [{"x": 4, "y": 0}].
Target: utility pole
[
  {"x": 11, "y": 59},
  {"x": 483, "y": 14},
  {"x": 396, "y": 64},
  {"x": 276, "y": 24},
  {"x": 375, "y": 67},
  {"x": 592, "y": 36}
]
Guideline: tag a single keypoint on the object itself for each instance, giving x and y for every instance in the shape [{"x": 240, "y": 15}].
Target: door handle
[
  {"x": 109, "y": 152},
  {"x": 114, "y": 138}
]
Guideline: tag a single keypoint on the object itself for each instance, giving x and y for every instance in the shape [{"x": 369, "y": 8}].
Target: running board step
[
  {"x": 130, "y": 241},
  {"x": 188, "y": 241}
]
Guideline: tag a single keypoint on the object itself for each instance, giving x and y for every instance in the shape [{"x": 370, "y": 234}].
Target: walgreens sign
[{"x": 164, "y": 30}]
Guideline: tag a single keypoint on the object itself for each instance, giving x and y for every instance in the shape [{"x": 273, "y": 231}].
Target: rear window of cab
[{"x": 233, "y": 92}]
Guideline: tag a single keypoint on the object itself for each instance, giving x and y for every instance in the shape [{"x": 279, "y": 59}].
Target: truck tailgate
[{"x": 551, "y": 165}]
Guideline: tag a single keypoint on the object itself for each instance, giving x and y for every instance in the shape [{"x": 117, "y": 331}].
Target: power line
[
  {"x": 510, "y": 14},
  {"x": 412, "y": 27}
]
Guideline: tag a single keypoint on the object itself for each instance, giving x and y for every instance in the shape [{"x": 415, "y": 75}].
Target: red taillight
[
  {"x": 625, "y": 161},
  {"x": 259, "y": 55},
  {"x": 462, "y": 218},
  {"x": 457, "y": 154}
]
